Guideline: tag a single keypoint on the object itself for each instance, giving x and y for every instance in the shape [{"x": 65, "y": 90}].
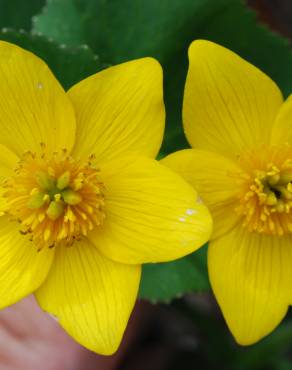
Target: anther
[{"x": 56, "y": 199}]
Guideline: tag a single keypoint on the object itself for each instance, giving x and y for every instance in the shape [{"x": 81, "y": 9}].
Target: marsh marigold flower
[
  {"x": 241, "y": 164},
  {"x": 83, "y": 203}
]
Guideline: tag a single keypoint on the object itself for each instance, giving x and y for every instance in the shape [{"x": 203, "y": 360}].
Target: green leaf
[
  {"x": 127, "y": 29},
  {"x": 70, "y": 65},
  {"x": 122, "y": 30},
  {"x": 61, "y": 21},
  {"x": 18, "y": 13},
  {"x": 165, "y": 281}
]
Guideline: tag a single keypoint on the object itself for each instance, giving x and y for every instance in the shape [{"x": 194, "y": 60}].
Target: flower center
[
  {"x": 55, "y": 198},
  {"x": 266, "y": 196}
]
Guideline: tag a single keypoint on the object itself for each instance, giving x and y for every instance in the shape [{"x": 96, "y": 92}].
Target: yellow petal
[
  {"x": 22, "y": 267},
  {"x": 217, "y": 180},
  {"x": 8, "y": 161},
  {"x": 91, "y": 296},
  {"x": 120, "y": 109},
  {"x": 251, "y": 277},
  {"x": 282, "y": 129},
  {"x": 34, "y": 108},
  {"x": 152, "y": 214},
  {"x": 228, "y": 104}
]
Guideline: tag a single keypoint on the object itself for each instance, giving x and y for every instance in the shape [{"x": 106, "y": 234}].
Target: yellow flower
[
  {"x": 83, "y": 203},
  {"x": 241, "y": 131}
]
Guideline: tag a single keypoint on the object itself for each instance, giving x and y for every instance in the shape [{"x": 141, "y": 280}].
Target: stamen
[
  {"x": 266, "y": 195},
  {"x": 55, "y": 198}
]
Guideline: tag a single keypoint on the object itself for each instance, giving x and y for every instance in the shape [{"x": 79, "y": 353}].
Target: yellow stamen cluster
[
  {"x": 266, "y": 196},
  {"x": 55, "y": 198}
]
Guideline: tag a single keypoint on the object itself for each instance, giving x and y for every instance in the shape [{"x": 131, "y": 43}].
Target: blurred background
[{"x": 176, "y": 324}]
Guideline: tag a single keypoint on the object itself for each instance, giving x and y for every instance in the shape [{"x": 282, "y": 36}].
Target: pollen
[
  {"x": 55, "y": 198},
  {"x": 266, "y": 194}
]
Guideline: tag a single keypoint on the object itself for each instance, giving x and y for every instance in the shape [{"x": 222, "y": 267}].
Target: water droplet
[
  {"x": 40, "y": 85},
  {"x": 182, "y": 219},
  {"x": 190, "y": 211}
]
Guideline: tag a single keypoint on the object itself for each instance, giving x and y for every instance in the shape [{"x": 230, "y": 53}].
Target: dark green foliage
[{"x": 69, "y": 64}]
